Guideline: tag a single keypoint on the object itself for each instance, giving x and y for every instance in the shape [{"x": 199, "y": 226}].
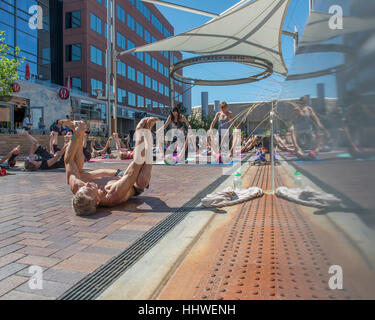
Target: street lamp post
[
  {"x": 108, "y": 67},
  {"x": 114, "y": 65},
  {"x": 171, "y": 83}
]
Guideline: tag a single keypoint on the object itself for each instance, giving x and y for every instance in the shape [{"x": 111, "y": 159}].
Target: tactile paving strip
[{"x": 269, "y": 251}]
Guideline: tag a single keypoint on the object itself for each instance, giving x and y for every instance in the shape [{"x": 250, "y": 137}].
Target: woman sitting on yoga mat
[{"x": 10, "y": 159}]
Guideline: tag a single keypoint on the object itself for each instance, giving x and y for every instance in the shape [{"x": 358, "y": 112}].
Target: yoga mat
[
  {"x": 106, "y": 160},
  {"x": 344, "y": 155}
]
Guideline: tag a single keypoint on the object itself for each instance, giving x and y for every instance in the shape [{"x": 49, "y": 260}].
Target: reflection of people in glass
[
  {"x": 308, "y": 133},
  {"x": 297, "y": 151},
  {"x": 358, "y": 127}
]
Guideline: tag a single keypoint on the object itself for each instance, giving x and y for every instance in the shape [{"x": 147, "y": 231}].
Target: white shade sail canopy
[{"x": 252, "y": 30}]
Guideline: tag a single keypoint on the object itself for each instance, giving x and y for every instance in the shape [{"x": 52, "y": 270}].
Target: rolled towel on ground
[
  {"x": 230, "y": 197},
  {"x": 308, "y": 197}
]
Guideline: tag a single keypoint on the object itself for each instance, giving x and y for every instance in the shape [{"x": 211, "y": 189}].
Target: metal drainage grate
[{"x": 90, "y": 287}]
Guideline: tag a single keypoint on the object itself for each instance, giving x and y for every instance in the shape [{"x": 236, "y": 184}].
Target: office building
[{"x": 143, "y": 78}]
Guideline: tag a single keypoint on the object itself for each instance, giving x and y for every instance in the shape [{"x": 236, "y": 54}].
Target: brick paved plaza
[{"x": 38, "y": 226}]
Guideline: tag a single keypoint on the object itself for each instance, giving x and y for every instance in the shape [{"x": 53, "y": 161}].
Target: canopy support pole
[
  {"x": 272, "y": 151},
  {"x": 294, "y": 35}
]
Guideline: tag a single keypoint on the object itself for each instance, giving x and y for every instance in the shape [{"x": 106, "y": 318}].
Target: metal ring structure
[
  {"x": 247, "y": 60},
  {"x": 322, "y": 48}
]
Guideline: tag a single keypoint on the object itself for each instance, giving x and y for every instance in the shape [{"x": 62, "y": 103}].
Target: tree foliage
[{"x": 8, "y": 67}]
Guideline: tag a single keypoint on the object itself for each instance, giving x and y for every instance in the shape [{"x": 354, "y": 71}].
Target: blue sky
[{"x": 259, "y": 91}]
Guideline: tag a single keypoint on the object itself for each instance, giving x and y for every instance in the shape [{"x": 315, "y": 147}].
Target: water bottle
[
  {"x": 297, "y": 180},
  {"x": 237, "y": 181}
]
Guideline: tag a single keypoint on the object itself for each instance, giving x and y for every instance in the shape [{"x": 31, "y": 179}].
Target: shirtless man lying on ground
[{"x": 105, "y": 187}]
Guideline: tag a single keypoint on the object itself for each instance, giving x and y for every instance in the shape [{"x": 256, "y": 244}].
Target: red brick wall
[{"x": 86, "y": 70}]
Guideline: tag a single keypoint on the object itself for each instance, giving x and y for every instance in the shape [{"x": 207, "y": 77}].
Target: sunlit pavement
[
  {"x": 38, "y": 226},
  {"x": 263, "y": 249},
  {"x": 270, "y": 249}
]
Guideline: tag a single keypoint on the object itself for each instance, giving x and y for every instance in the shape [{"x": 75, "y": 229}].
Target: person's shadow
[{"x": 147, "y": 204}]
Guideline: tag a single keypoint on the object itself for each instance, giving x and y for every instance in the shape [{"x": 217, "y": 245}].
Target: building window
[
  {"x": 154, "y": 39},
  {"x": 147, "y": 82},
  {"x": 143, "y": 9},
  {"x": 148, "y": 59},
  {"x": 95, "y": 23},
  {"x": 121, "y": 41},
  {"x": 131, "y": 22},
  {"x": 140, "y": 78},
  {"x": 132, "y": 99},
  {"x": 166, "y": 72},
  {"x": 167, "y": 33},
  {"x": 155, "y": 104},
  {"x": 121, "y": 95},
  {"x": 147, "y": 36},
  {"x": 105, "y": 30},
  {"x": 154, "y": 85},
  {"x": 154, "y": 64},
  {"x": 141, "y": 102},
  {"x": 161, "y": 88},
  {"x": 148, "y": 103},
  {"x": 73, "y": 52},
  {"x": 157, "y": 24},
  {"x": 166, "y": 89},
  {"x": 131, "y": 73},
  {"x": 161, "y": 68},
  {"x": 140, "y": 30},
  {"x": 166, "y": 54},
  {"x": 95, "y": 84},
  {"x": 120, "y": 13},
  {"x": 121, "y": 68},
  {"x": 73, "y": 19},
  {"x": 96, "y": 55},
  {"x": 100, "y": 1},
  {"x": 131, "y": 45},
  {"x": 76, "y": 83},
  {"x": 140, "y": 56}
]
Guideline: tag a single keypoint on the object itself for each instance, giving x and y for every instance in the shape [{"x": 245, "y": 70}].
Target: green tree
[{"x": 8, "y": 67}]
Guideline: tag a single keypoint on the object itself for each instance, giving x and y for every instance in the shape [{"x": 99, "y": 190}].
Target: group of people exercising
[{"x": 107, "y": 187}]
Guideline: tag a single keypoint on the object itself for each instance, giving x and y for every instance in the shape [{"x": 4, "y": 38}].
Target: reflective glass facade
[
  {"x": 325, "y": 126},
  {"x": 41, "y": 51}
]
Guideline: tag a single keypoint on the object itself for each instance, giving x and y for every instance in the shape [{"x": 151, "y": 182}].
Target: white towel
[
  {"x": 308, "y": 197},
  {"x": 230, "y": 197}
]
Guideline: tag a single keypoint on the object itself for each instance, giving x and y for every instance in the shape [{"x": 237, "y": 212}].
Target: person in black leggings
[{"x": 40, "y": 159}]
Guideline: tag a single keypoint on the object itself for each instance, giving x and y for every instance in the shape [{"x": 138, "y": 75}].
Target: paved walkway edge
[
  {"x": 146, "y": 278},
  {"x": 360, "y": 236}
]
